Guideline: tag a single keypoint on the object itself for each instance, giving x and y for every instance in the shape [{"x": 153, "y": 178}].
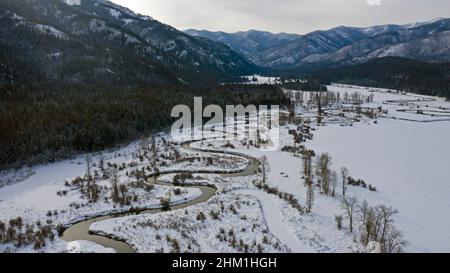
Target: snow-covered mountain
[
  {"x": 429, "y": 42},
  {"x": 247, "y": 43},
  {"x": 426, "y": 41},
  {"x": 92, "y": 40},
  {"x": 72, "y": 41}
]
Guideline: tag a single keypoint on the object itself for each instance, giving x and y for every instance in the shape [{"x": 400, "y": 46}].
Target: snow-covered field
[
  {"x": 393, "y": 141},
  {"x": 406, "y": 160},
  {"x": 45, "y": 194},
  {"x": 258, "y": 79},
  {"x": 239, "y": 226}
]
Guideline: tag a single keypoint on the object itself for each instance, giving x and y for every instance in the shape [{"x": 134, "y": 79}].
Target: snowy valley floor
[{"x": 404, "y": 153}]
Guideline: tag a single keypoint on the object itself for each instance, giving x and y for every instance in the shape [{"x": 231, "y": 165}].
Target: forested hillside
[
  {"x": 100, "y": 42},
  {"x": 393, "y": 72},
  {"x": 340, "y": 46},
  {"x": 40, "y": 124},
  {"x": 77, "y": 78}
]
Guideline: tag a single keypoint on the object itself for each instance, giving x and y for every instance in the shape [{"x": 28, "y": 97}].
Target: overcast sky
[{"x": 294, "y": 16}]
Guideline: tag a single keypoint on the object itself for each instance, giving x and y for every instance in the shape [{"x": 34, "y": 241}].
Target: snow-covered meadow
[
  {"x": 396, "y": 142},
  {"x": 406, "y": 156}
]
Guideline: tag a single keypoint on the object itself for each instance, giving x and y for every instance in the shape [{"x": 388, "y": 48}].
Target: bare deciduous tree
[
  {"x": 115, "y": 185},
  {"x": 377, "y": 225},
  {"x": 386, "y": 215},
  {"x": 2, "y": 231},
  {"x": 394, "y": 242},
  {"x": 307, "y": 174},
  {"x": 344, "y": 175},
  {"x": 154, "y": 152},
  {"x": 349, "y": 205},
  {"x": 319, "y": 103},
  {"x": 334, "y": 181},
  {"x": 307, "y": 165},
  {"x": 92, "y": 190},
  {"x": 265, "y": 168},
  {"x": 323, "y": 170},
  {"x": 309, "y": 196}
]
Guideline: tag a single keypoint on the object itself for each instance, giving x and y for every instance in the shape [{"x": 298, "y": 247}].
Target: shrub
[
  {"x": 215, "y": 215},
  {"x": 165, "y": 204},
  {"x": 201, "y": 217},
  {"x": 339, "y": 220}
]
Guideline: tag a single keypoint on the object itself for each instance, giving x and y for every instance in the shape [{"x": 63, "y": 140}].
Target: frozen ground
[
  {"x": 406, "y": 160},
  {"x": 258, "y": 79},
  {"x": 239, "y": 226},
  {"x": 34, "y": 194},
  {"x": 403, "y": 153},
  {"x": 314, "y": 233},
  {"x": 60, "y": 246},
  {"x": 408, "y": 163}
]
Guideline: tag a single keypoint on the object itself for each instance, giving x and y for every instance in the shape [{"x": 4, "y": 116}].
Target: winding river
[{"x": 80, "y": 231}]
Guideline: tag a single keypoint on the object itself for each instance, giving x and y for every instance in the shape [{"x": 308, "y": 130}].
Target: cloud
[{"x": 374, "y": 2}]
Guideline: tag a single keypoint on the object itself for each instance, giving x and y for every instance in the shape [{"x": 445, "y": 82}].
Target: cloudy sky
[{"x": 295, "y": 16}]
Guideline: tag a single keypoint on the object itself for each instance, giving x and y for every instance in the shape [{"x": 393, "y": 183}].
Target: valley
[
  {"x": 120, "y": 133},
  {"x": 272, "y": 215}
]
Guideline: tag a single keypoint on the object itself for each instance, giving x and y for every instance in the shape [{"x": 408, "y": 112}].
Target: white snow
[
  {"x": 261, "y": 79},
  {"x": 408, "y": 163},
  {"x": 275, "y": 220},
  {"x": 72, "y": 2},
  {"x": 406, "y": 157},
  {"x": 115, "y": 13},
  {"x": 86, "y": 247},
  {"x": 154, "y": 232},
  {"x": 404, "y": 154}
]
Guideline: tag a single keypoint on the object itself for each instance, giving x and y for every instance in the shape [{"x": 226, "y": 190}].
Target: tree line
[
  {"x": 375, "y": 224},
  {"x": 393, "y": 73},
  {"x": 42, "y": 124}
]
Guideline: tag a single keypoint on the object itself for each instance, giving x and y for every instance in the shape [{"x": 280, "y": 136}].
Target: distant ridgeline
[
  {"x": 98, "y": 42},
  {"x": 393, "y": 72}
]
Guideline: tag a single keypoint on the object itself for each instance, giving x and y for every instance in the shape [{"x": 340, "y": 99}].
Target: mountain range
[
  {"x": 84, "y": 75},
  {"x": 98, "y": 41},
  {"x": 426, "y": 41}
]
